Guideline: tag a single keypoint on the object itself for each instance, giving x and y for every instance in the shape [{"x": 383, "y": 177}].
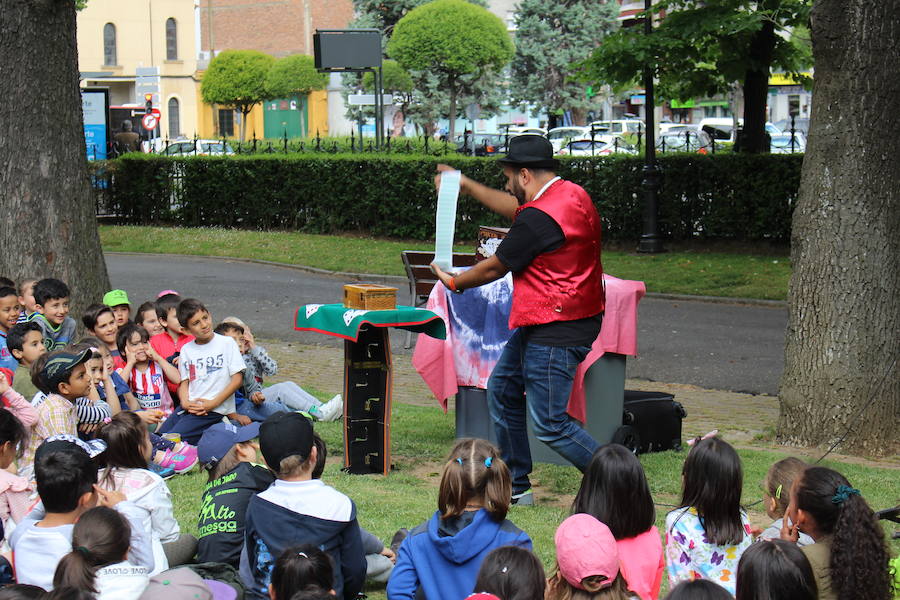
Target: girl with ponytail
[
  {"x": 97, "y": 562},
  {"x": 849, "y": 558},
  {"x": 443, "y": 555}
]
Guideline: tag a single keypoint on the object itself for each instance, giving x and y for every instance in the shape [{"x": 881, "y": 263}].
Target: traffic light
[{"x": 149, "y": 98}]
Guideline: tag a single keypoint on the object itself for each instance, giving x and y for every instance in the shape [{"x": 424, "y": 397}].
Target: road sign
[
  {"x": 146, "y": 82},
  {"x": 149, "y": 122},
  {"x": 473, "y": 111},
  {"x": 368, "y": 99},
  {"x": 155, "y": 112}
]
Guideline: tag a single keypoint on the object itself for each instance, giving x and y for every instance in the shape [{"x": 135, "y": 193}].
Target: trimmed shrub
[{"x": 729, "y": 196}]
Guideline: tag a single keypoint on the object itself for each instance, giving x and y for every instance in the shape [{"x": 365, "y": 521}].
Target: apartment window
[
  {"x": 109, "y": 44},
  {"x": 171, "y": 39},
  {"x": 226, "y": 122},
  {"x": 174, "y": 118}
]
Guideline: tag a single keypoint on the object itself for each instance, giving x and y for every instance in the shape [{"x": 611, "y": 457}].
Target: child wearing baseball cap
[
  {"x": 117, "y": 300},
  {"x": 297, "y": 509},
  {"x": 587, "y": 562},
  {"x": 229, "y": 454}
]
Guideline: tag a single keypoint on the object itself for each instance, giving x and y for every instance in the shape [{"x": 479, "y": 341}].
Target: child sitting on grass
[
  {"x": 145, "y": 370},
  {"x": 146, "y": 318},
  {"x": 288, "y": 393},
  {"x": 66, "y": 483},
  {"x": 100, "y": 322},
  {"x": 777, "y": 495},
  {"x": 51, "y": 297},
  {"x": 15, "y": 492},
  {"x": 117, "y": 300},
  {"x": 9, "y": 316},
  {"x": 297, "y": 509},
  {"x": 302, "y": 568},
  {"x": 26, "y": 342},
  {"x": 211, "y": 371},
  {"x": 172, "y": 339},
  {"x": 26, "y": 299}
]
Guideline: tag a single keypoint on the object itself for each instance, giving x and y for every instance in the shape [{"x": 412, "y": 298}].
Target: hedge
[{"x": 729, "y": 196}]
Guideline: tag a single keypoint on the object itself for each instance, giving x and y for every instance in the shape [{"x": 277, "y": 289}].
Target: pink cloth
[
  {"x": 435, "y": 360},
  {"x": 15, "y": 500},
  {"x": 641, "y": 563}
]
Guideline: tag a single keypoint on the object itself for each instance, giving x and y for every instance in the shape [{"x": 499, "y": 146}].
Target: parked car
[
  {"x": 684, "y": 140},
  {"x": 486, "y": 144},
  {"x": 801, "y": 125},
  {"x": 621, "y": 126},
  {"x": 198, "y": 148},
  {"x": 559, "y": 136},
  {"x": 514, "y": 131},
  {"x": 781, "y": 143},
  {"x": 722, "y": 128},
  {"x": 601, "y": 145}
]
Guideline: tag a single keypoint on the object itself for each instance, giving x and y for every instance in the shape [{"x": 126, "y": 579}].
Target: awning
[
  {"x": 713, "y": 103},
  {"x": 785, "y": 79},
  {"x": 681, "y": 104}
]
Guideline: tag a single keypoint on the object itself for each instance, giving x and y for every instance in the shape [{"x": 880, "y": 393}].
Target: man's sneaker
[
  {"x": 181, "y": 462},
  {"x": 526, "y": 498},
  {"x": 164, "y": 472},
  {"x": 331, "y": 410}
]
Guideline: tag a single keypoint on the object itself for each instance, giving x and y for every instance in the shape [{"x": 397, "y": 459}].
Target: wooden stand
[{"x": 368, "y": 386}]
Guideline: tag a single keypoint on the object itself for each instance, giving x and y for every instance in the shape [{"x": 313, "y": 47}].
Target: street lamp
[{"x": 650, "y": 239}]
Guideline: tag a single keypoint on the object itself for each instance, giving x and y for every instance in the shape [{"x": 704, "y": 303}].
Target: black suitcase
[{"x": 651, "y": 422}]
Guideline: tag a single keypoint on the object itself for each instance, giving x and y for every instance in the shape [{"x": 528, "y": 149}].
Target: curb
[{"x": 400, "y": 280}]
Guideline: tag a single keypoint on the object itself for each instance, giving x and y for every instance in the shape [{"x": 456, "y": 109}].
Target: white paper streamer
[{"x": 445, "y": 219}]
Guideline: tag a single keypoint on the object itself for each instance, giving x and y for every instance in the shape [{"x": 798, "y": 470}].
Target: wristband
[{"x": 452, "y": 286}]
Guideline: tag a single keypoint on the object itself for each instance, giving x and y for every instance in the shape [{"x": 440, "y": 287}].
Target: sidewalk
[{"x": 745, "y": 420}]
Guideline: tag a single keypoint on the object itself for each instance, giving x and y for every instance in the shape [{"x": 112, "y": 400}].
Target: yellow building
[{"x": 120, "y": 40}]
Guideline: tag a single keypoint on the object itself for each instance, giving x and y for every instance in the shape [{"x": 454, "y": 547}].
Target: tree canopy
[
  {"x": 700, "y": 48},
  {"x": 551, "y": 36},
  {"x": 237, "y": 78},
  {"x": 293, "y": 75},
  {"x": 452, "y": 40}
]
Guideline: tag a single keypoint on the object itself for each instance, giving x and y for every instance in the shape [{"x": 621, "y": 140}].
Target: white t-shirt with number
[{"x": 209, "y": 368}]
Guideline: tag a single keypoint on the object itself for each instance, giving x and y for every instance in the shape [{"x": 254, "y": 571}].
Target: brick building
[{"x": 279, "y": 28}]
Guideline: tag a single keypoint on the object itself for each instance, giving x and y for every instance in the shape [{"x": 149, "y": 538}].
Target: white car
[
  {"x": 514, "y": 131},
  {"x": 558, "y": 136},
  {"x": 781, "y": 143},
  {"x": 198, "y": 148},
  {"x": 620, "y": 127},
  {"x": 601, "y": 145}
]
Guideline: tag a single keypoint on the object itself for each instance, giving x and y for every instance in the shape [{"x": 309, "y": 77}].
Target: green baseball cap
[
  {"x": 115, "y": 298},
  {"x": 60, "y": 364}
]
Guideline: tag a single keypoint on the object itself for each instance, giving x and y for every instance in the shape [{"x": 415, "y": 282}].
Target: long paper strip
[{"x": 445, "y": 219}]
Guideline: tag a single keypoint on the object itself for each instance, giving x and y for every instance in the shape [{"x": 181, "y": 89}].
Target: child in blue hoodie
[{"x": 442, "y": 556}]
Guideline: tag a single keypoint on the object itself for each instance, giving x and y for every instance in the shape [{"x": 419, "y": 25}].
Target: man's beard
[{"x": 518, "y": 191}]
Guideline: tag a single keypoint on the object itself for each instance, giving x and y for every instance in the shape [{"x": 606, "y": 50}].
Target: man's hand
[
  {"x": 463, "y": 180},
  {"x": 441, "y": 274},
  {"x": 257, "y": 398},
  {"x": 108, "y": 498}
]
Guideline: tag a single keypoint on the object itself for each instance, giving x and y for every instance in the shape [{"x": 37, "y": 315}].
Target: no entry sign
[{"x": 149, "y": 121}]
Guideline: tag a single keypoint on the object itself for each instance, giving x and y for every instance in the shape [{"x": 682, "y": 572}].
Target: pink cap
[
  {"x": 585, "y": 547},
  {"x": 482, "y": 596},
  {"x": 166, "y": 292}
]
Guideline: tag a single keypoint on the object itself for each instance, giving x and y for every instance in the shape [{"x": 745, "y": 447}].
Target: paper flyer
[{"x": 445, "y": 219}]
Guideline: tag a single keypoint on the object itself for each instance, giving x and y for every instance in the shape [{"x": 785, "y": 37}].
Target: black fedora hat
[{"x": 530, "y": 150}]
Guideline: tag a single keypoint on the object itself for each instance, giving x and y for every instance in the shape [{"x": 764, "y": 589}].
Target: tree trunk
[
  {"x": 49, "y": 223},
  {"x": 844, "y": 300},
  {"x": 451, "y": 136},
  {"x": 756, "y": 90}
]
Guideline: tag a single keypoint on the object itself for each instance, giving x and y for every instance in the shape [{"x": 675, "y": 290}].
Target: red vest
[{"x": 567, "y": 283}]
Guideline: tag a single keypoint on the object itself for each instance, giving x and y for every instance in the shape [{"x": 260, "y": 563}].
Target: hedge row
[{"x": 736, "y": 197}]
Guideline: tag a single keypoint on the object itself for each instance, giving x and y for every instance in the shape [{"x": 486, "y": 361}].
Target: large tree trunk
[
  {"x": 49, "y": 228},
  {"x": 756, "y": 90},
  {"x": 843, "y": 336}
]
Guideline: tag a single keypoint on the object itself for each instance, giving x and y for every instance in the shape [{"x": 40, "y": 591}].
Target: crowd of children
[{"x": 90, "y": 429}]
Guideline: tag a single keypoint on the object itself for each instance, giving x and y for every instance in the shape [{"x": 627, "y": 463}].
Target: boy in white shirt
[
  {"x": 211, "y": 369},
  {"x": 67, "y": 484}
]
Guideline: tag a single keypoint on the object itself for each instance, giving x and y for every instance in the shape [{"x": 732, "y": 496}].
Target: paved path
[{"x": 711, "y": 345}]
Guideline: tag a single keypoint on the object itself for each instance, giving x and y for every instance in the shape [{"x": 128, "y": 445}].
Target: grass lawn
[
  {"x": 758, "y": 276},
  {"x": 423, "y": 435}
]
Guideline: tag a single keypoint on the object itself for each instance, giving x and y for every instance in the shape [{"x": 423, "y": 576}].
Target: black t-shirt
[
  {"x": 223, "y": 510},
  {"x": 534, "y": 232}
]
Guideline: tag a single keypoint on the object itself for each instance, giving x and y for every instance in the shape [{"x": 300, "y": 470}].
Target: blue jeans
[
  {"x": 539, "y": 378},
  {"x": 260, "y": 412}
]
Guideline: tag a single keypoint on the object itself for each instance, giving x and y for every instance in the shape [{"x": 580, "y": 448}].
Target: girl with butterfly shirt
[{"x": 707, "y": 534}]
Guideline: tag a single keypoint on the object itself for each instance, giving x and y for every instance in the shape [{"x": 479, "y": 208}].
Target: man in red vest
[{"x": 553, "y": 251}]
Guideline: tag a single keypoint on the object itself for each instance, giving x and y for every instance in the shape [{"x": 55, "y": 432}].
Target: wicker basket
[{"x": 370, "y": 296}]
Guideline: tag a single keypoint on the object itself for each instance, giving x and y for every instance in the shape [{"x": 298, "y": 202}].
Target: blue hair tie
[
  {"x": 459, "y": 460},
  {"x": 488, "y": 462},
  {"x": 842, "y": 493}
]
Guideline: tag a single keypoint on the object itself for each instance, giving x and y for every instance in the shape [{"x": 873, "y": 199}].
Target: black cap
[
  {"x": 530, "y": 150},
  {"x": 285, "y": 434},
  {"x": 59, "y": 367}
]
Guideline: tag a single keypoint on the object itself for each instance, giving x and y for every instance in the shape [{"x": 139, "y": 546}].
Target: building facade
[{"x": 120, "y": 46}]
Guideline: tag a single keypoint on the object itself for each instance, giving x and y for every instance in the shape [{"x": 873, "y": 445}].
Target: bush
[{"x": 735, "y": 197}]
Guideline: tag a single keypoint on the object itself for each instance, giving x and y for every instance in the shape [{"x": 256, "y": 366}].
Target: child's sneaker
[
  {"x": 181, "y": 462},
  {"x": 331, "y": 410},
  {"x": 164, "y": 472}
]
